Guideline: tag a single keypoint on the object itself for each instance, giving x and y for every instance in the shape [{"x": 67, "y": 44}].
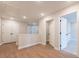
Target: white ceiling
[{"x": 30, "y": 9}]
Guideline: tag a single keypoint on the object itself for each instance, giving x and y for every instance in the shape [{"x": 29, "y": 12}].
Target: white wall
[
  {"x": 42, "y": 31},
  {"x": 56, "y": 16},
  {"x": 0, "y": 31}
]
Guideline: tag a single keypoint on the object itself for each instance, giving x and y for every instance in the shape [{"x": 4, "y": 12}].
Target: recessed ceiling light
[
  {"x": 12, "y": 18},
  {"x": 38, "y": 1},
  {"x": 42, "y": 14},
  {"x": 24, "y": 17},
  {"x": 68, "y": 1}
]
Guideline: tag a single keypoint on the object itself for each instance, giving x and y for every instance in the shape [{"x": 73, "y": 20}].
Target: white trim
[
  {"x": 1, "y": 43},
  {"x": 8, "y": 42},
  {"x": 43, "y": 43},
  {"x": 21, "y": 47}
]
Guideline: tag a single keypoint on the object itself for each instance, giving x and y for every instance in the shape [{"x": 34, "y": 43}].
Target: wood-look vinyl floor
[{"x": 37, "y": 51}]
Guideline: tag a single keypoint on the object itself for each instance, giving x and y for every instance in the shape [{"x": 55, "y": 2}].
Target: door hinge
[
  {"x": 60, "y": 20},
  {"x": 60, "y": 33},
  {"x": 60, "y": 45}
]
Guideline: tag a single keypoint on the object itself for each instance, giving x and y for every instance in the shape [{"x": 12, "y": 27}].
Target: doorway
[
  {"x": 68, "y": 33},
  {"x": 47, "y": 33},
  {"x": 50, "y": 33}
]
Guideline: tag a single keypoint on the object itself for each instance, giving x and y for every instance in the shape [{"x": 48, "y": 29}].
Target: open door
[
  {"x": 51, "y": 33},
  {"x": 68, "y": 33},
  {"x": 63, "y": 33}
]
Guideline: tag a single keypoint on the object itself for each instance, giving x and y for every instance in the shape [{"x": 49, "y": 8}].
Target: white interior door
[
  {"x": 15, "y": 30},
  {"x": 9, "y": 31},
  {"x": 68, "y": 33},
  {"x": 63, "y": 33}
]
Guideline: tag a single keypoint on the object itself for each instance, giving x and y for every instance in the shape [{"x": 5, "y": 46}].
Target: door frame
[
  {"x": 60, "y": 31},
  {"x": 48, "y": 22}
]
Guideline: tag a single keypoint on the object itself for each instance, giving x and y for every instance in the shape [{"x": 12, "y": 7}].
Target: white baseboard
[
  {"x": 21, "y": 47},
  {"x": 8, "y": 42},
  {"x": 1, "y": 43},
  {"x": 77, "y": 55},
  {"x": 43, "y": 43}
]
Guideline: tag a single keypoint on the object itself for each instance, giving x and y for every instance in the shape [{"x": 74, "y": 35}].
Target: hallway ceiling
[{"x": 30, "y": 9}]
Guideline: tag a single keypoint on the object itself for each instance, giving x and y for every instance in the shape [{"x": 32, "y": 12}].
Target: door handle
[
  {"x": 11, "y": 33},
  {"x": 67, "y": 33}
]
